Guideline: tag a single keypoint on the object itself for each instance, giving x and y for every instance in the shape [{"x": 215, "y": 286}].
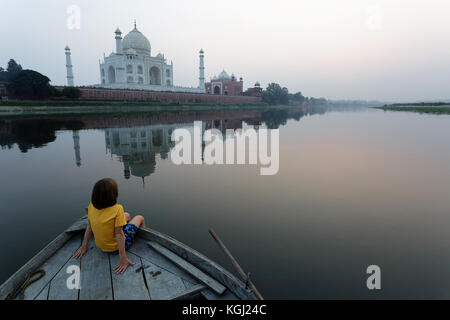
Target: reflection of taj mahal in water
[{"x": 138, "y": 147}]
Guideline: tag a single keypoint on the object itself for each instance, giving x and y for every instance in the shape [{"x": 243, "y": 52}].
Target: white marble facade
[{"x": 132, "y": 66}]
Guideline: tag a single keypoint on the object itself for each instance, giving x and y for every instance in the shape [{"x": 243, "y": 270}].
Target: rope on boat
[{"x": 26, "y": 283}]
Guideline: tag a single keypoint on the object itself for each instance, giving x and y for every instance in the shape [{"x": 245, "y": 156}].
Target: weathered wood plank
[
  {"x": 189, "y": 292},
  {"x": 161, "y": 283},
  {"x": 52, "y": 266},
  {"x": 141, "y": 249},
  {"x": 58, "y": 285},
  {"x": 33, "y": 264},
  {"x": 210, "y": 295},
  {"x": 227, "y": 296},
  {"x": 78, "y": 226},
  {"x": 95, "y": 275},
  {"x": 189, "y": 268},
  {"x": 44, "y": 294},
  {"x": 235, "y": 285},
  {"x": 131, "y": 284}
]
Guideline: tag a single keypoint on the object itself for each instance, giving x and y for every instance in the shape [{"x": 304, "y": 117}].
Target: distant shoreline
[
  {"x": 418, "y": 104},
  {"x": 422, "y": 107}
]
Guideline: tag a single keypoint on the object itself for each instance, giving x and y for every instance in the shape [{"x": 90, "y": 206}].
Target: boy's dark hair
[{"x": 105, "y": 194}]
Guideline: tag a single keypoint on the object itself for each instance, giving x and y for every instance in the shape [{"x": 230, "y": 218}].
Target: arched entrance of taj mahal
[
  {"x": 155, "y": 76},
  {"x": 111, "y": 75}
]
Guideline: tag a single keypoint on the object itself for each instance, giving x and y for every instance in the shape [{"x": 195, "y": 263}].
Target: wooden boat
[{"x": 165, "y": 269}]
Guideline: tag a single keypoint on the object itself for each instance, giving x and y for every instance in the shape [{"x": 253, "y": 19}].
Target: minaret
[
  {"x": 118, "y": 41},
  {"x": 76, "y": 147},
  {"x": 69, "y": 67},
  {"x": 201, "y": 84}
]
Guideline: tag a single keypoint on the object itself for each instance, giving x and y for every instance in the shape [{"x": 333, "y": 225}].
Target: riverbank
[
  {"x": 431, "y": 108},
  {"x": 56, "y": 107},
  {"x": 109, "y": 103}
]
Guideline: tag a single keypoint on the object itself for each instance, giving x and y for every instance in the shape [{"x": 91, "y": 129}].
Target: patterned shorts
[{"x": 130, "y": 231}]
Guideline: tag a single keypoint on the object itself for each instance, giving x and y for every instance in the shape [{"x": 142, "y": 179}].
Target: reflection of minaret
[
  {"x": 203, "y": 140},
  {"x": 126, "y": 164},
  {"x": 76, "y": 146}
]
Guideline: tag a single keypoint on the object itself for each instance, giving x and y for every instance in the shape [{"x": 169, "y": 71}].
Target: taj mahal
[{"x": 133, "y": 67}]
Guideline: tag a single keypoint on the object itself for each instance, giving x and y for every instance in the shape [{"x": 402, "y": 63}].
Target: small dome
[
  {"x": 257, "y": 84},
  {"x": 137, "y": 41},
  {"x": 201, "y": 51},
  {"x": 223, "y": 76},
  {"x": 118, "y": 31},
  {"x": 67, "y": 48}
]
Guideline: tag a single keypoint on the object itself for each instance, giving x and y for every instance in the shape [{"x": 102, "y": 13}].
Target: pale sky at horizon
[{"x": 389, "y": 50}]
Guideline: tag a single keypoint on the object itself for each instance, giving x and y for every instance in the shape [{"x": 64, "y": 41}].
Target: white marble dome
[{"x": 137, "y": 41}]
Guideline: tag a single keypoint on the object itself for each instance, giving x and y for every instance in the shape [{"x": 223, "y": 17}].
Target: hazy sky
[{"x": 386, "y": 49}]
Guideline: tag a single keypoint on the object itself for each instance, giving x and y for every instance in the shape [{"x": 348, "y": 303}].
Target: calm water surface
[{"x": 355, "y": 188}]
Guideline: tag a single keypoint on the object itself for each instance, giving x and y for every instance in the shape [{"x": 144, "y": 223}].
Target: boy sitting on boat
[{"x": 113, "y": 229}]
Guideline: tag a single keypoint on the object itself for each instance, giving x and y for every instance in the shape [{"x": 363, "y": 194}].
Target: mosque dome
[
  {"x": 223, "y": 76},
  {"x": 137, "y": 41}
]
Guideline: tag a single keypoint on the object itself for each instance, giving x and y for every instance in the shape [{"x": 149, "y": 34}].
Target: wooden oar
[{"x": 236, "y": 265}]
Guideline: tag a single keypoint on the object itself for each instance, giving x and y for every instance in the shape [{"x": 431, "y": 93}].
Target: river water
[{"x": 356, "y": 187}]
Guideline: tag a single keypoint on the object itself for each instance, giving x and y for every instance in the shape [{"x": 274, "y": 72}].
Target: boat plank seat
[{"x": 192, "y": 270}]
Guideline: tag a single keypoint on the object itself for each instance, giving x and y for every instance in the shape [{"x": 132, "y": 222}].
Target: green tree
[
  {"x": 29, "y": 84},
  {"x": 54, "y": 92},
  {"x": 315, "y": 101},
  {"x": 297, "y": 97},
  {"x": 3, "y": 74},
  {"x": 11, "y": 71},
  {"x": 275, "y": 94},
  {"x": 13, "y": 67},
  {"x": 71, "y": 92}
]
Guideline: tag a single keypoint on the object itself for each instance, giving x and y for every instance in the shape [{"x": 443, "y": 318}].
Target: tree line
[
  {"x": 274, "y": 94},
  {"x": 30, "y": 84}
]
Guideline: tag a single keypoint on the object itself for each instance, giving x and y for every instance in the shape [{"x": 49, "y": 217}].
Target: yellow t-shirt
[{"x": 103, "y": 223}]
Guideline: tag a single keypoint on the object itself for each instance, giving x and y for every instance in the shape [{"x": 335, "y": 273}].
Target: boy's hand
[
  {"x": 80, "y": 252},
  {"x": 123, "y": 266}
]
